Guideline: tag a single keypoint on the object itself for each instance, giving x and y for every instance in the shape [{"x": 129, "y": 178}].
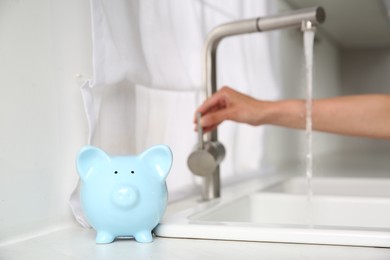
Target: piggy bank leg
[
  {"x": 103, "y": 237},
  {"x": 144, "y": 237}
]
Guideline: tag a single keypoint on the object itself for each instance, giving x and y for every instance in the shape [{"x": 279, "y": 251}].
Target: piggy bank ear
[
  {"x": 160, "y": 158},
  {"x": 87, "y": 158}
]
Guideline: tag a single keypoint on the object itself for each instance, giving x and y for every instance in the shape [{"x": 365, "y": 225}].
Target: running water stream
[{"x": 308, "y": 39}]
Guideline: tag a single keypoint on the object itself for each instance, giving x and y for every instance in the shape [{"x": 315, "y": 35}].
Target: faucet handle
[
  {"x": 206, "y": 156},
  {"x": 203, "y": 162},
  {"x": 200, "y": 131}
]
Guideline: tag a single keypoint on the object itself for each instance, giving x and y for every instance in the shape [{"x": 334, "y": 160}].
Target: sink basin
[
  {"x": 335, "y": 186},
  {"x": 342, "y": 211}
]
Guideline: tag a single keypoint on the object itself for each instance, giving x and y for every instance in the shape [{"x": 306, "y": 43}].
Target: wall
[
  {"x": 42, "y": 118},
  {"x": 365, "y": 71}
]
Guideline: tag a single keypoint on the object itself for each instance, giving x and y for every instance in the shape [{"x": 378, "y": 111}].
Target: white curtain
[{"x": 147, "y": 80}]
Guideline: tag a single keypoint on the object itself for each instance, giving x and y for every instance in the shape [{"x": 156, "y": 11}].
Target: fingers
[
  {"x": 215, "y": 109},
  {"x": 210, "y": 121},
  {"x": 207, "y": 129},
  {"x": 212, "y": 104}
]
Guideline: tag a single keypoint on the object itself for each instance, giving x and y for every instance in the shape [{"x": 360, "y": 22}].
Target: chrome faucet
[{"x": 205, "y": 159}]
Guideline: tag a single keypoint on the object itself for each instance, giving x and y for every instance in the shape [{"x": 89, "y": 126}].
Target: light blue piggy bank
[{"x": 124, "y": 196}]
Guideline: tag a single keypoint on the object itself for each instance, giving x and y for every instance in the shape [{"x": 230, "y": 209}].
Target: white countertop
[
  {"x": 75, "y": 242},
  {"x": 78, "y": 243}
]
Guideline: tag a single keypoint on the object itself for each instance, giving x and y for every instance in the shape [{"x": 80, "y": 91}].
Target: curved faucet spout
[{"x": 315, "y": 15}]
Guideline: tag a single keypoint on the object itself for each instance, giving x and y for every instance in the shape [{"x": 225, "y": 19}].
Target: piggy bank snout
[{"x": 125, "y": 196}]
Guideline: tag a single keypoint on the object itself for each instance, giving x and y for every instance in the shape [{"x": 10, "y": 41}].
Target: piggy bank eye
[
  {"x": 116, "y": 172},
  {"x": 132, "y": 172}
]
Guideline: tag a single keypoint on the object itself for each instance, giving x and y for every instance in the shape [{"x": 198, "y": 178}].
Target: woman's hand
[{"x": 228, "y": 104}]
